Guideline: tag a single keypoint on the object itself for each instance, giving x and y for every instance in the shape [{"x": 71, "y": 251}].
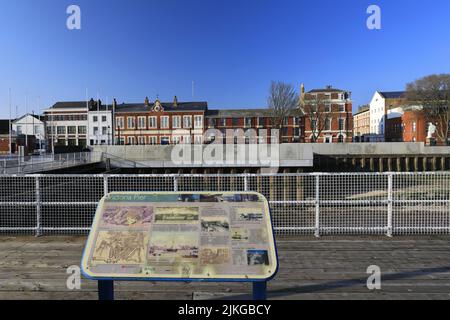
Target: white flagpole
[{"x": 10, "y": 127}]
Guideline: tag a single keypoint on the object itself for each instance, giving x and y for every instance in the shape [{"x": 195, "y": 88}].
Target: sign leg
[
  {"x": 106, "y": 290},
  {"x": 260, "y": 291}
]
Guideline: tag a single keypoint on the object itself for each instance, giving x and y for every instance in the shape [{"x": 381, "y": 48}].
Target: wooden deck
[{"x": 327, "y": 268}]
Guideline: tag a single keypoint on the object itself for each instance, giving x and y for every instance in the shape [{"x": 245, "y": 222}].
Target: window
[
  {"x": 414, "y": 127},
  {"x": 328, "y": 124},
  {"x": 165, "y": 141},
  {"x": 187, "y": 121},
  {"x": 121, "y": 141},
  {"x": 198, "y": 121},
  {"x": 296, "y": 121},
  {"x": 342, "y": 108},
  {"x": 153, "y": 140},
  {"x": 296, "y": 132},
  {"x": 176, "y": 122},
  {"x": 313, "y": 125},
  {"x": 223, "y": 122},
  {"x": 248, "y": 122},
  {"x": 61, "y": 130},
  {"x": 19, "y": 129},
  {"x": 82, "y": 130},
  {"x": 176, "y": 140},
  {"x": 198, "y": 140},
  {"x": 103, "y": 118},
  {"x": 328, "y": 107},
  {"x": 165, "y": 122},
  {"x": 235, "y": 122},
  {"x": 152, "y": 122},
  {"x": 261, "y": 122},
  {"x": 141, "y": 141},
  {"x": 341, "y": 124},
  {"x": 131, "y": 123},
  {"x": 187, "y": 140},
  {"x": 211, "y": 122},
  {"x": 104, "y": 131},
  {"x": 340, "y": 138},
  {"x": 72, "y": 130},
  {"x": 120, "y": 123},
  {"x": 95, "y": 130},
  {"x": 37, "y": 129},
  {"x": 285, "y": 132},
  {"x": 141, "y": 123},
  {"x": 130, "y": 141},
  {"x": 95, "y": 119}
]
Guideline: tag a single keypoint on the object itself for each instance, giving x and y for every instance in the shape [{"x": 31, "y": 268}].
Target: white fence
[
  {"x": 301, "y": 204},
  {"x": 30, "y": 164}
]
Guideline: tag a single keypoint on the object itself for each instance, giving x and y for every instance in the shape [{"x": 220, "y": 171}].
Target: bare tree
[
  {"x": 317, "y": 112},
  {"x": 433, "y": 93},
  {"x": 283, "y": 102}
]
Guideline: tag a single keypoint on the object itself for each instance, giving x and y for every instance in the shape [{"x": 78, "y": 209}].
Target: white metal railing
[
  {"x": 30, "y": 164},
  {"x": 310, "y": 203}
]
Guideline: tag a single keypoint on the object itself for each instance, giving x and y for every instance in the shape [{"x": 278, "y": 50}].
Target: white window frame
[
  {"x": 129, "y": 139},
  {"x": 140, "y": 119},
  {"x": 151, "y": 120},
  {"x": 185, "y": 125},
  {"x": 153, "y": 140},
  {"x": 120, "y": 123},
  {"x": 133, "y": 119},
  {"x": 165, "y": 124},
  {"x": 142, "y": 141},
  {"x": 176, "y": 122},
  {"x": 198, "y": 122}
]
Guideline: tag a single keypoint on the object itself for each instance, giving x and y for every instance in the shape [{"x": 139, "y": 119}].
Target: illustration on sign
[{"x": 195, "y": 236}]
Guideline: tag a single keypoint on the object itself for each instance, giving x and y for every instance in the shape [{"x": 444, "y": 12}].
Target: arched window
[{"x": 340, "y": 138}]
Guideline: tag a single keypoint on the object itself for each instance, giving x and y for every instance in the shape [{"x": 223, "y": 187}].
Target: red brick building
[
  {"x": 406, "y": 126},
  {"x": 328, "y": 115},
  {"x": 159, "y": 123},
  {"x": 4, "y": 136}
]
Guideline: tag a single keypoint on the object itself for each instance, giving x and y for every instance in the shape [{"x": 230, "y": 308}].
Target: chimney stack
[{"x": 147, "y": 102}]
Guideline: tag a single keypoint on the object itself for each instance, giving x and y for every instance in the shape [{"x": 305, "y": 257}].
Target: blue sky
[{"x": 232, "y": 49}]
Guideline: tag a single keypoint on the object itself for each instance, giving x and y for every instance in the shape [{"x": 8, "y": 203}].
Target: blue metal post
[
  {"x": 260, "y": 291},
  {"x": 105, "y": 290}
]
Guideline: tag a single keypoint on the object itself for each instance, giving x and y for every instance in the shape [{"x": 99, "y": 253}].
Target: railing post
[
  {"x": 246, "y": 183},
  {"x": 105, "y": 185},
  {"x": 317, "y": 202},
  {"x": 390, "y": 201},
  {"x": 175, "y": 183},
  {"x": 38, "y": 206}
]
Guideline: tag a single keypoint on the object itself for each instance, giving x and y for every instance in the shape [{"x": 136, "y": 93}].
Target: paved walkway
[{"x": 326, "y": 268}]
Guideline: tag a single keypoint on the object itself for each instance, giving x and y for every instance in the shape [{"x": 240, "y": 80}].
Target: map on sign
[{"x": 181, "y": 236}]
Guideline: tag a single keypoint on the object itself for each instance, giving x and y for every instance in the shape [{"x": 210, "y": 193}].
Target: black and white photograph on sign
[
  {"x": 257, "y": 257},
  {"x": 176, "y": 215},
  {"x": 215, "y": 224},
  {"x": 173, "y": 246}
]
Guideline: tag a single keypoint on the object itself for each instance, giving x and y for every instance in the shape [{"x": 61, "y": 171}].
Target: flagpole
[{"x": 10, "y": 128}]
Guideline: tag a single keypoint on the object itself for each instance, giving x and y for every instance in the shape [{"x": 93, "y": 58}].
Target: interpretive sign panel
[{"x": 224, "y": 236}]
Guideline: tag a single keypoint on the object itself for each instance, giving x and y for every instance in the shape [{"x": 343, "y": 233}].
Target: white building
[
  {"x": 67, "y": 124},
  {"x": 380, "y": 105},
  {"x": 100, "y": 124},
  {"x": 31, "y": 125}
]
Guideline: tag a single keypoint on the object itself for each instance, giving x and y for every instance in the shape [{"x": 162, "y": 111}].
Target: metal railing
[
  {"x": 30, "y": 164},
  {"x": 301, "y": 204}
]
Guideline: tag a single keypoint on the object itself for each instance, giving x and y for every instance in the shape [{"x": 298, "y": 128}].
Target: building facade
[
  {"x": 406, "y": 125},
  {"x": 361, "y": 125},
  {"x": 380, "y": 105},
  {"x": 67, "y": 124},
  {"x": 100, "y": 124},
  {"x": 31, "y": 125},
  {"x": 328, "y": 116},
  {"x": 159, "y": 123},
  {"x": 5, "y": 138}
]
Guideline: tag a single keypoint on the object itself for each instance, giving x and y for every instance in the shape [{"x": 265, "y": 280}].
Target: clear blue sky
[{"x": 231, "y": 48}]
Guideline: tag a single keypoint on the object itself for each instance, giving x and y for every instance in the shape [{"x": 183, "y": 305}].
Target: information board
[{"x": 224, "y": 236}]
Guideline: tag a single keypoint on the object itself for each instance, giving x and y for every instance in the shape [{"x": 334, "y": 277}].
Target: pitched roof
[
  {"x": 4, "y": 126},
  {"x": 238, "y": 113},
  {"x": 69, "y": 105},
  {"x": 393, "y": 94},
  {"x": 168, "y": 107},
  {"x": 325, "y": 90}
]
